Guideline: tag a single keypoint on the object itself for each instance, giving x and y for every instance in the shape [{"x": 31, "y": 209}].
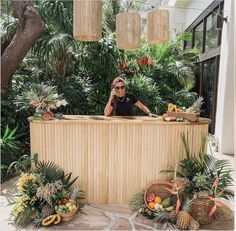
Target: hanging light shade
[
  {"x": 157, "y": 26},
  {"x": 128, "y": 30},
  {"x": 87, "y": 20}
]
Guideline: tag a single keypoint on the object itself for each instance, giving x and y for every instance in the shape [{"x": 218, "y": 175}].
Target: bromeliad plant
[
  {"x": 41, "y": 97},
  {"x": 38, "y": 192}
]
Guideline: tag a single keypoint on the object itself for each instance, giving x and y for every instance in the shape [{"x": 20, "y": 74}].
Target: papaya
[
  {"x": 166, "y": 202},
  {"x": 49, "y": 220},
  {"x": 57, "y": 220}
]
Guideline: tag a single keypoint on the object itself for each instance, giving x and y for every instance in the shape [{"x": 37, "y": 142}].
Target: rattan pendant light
[
  {"x": 87, "y": 20},
  {"x": 157, "y": 26},
  {"x": 128, "y": 30}
]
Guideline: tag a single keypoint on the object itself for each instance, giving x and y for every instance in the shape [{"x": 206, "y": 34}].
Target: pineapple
[
  {"x": 173, "y": 216},
  {"x": 161, "y": 216},
  {"x": 183, "y": 218},
  {"x": 47, "y": 210},
  {"x": 196, "y": 107}
]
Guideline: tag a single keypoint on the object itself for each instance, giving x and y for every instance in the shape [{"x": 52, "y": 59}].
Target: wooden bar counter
[{"x": 114, "y": 157}]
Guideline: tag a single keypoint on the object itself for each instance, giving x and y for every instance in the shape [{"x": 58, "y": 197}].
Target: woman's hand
[
  {"x": 114, "y": 93},
  {"x": 152, "y": 115}
]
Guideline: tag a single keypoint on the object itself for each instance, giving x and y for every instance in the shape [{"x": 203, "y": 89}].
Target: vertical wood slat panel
[{"x": 113, "y": 160}]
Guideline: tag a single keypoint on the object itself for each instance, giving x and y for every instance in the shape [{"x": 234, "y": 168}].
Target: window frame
[{"x": 204, "y": 56}]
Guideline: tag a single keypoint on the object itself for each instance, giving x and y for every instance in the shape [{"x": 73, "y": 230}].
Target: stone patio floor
[{"x": 99, "y": 217}]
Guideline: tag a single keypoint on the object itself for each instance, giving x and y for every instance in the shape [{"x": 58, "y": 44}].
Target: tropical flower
[
  {"x": 145, "y": 60},
  {"x": 177, "y": 185},
  {"x": 41, "y": 97}
]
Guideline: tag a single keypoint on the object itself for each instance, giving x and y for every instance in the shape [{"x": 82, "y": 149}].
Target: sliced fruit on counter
[
  {"x": 164, "y": 116},
  {"x": 57, "y": 220},
  {"x": 49, "y": 220}
]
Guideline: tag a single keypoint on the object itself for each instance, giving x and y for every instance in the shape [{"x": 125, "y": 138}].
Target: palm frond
[
  {"x": 50, "y": 170},
  {"x": 66, "y": 180}
]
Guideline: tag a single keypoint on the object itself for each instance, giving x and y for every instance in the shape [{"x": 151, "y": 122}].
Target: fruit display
[
  {"x": 155, "y": 202},
  {"x": 181, "y": 114},
  {"x": 66, "y": 208}
]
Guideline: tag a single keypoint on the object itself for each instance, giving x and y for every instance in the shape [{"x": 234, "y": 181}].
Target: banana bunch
[{"x": 173, "y": 107}]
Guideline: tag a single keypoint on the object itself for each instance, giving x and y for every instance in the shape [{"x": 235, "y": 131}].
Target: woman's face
[{"x": 120, "y": 88}]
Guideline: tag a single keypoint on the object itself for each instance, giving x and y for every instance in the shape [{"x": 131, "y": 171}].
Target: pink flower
[
  {"x": 47, "y": 115},
  {"x": 61, "y": 102}
]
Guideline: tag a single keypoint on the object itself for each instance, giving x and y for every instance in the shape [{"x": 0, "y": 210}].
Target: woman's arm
[
  {"x": 144, "y": 108},
  {"x": 108, "y": 109}
]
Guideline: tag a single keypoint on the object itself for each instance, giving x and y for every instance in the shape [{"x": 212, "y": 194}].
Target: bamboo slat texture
[{"x": 114, "y": 157}]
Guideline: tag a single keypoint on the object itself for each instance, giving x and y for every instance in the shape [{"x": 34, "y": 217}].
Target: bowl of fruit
[
  {"x": 157, "y": 197},
  {"x": 66, "y": 209}
]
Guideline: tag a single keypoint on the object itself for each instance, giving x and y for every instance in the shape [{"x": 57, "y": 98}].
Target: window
[
  {"x": 198, "y": 36},
  {"x": 211, "y": 32},
  {"x": 207, "y": 39}
]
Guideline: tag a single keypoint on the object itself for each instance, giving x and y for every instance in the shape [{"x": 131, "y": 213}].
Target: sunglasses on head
[{"x": 121, "y": 87}]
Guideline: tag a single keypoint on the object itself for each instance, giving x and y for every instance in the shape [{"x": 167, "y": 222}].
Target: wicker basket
[
  {"x": 192, "y": 117},
  {"x": 68, "y": 216},
  {"x": 159, "y": 189},
  {"x": 200, "y": 210}
]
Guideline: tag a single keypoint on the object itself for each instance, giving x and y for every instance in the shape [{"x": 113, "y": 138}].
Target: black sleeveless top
[{"x": 125, "y": 105}]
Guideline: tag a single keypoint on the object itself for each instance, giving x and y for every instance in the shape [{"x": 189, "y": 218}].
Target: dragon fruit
[{"x": 150, "y": 197}]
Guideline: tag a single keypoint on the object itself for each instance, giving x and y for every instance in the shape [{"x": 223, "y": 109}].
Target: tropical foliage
[
  {"x": 39, "y": 190},
  {"x": 201, "y": 170},
  {"x": 83, "y": 71}
]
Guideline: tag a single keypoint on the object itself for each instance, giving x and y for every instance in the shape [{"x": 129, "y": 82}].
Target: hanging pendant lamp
[
  {"x": 128, "y": 30},
  {"x": 87, "y": 20},
  {"x": 157, "y": 26}
]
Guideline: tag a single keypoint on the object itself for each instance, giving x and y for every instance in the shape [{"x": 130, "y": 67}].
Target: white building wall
[
  {"x": 199, "y": 6},
  {"x": 225, "y": 116}
]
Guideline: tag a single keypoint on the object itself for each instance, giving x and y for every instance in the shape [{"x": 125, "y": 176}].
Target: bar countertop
[{"x": 117, "y": 119}]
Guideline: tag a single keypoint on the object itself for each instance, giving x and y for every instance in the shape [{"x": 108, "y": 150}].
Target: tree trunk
[{"x": 29, "y": 30}]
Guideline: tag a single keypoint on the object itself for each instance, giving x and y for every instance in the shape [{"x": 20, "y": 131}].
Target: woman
[{"x": 121, "y": 103}]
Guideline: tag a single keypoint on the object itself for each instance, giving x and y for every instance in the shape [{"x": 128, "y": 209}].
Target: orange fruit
[
  {"x": 151, "y": 205},
  {"x": 157, "y": 200}
]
